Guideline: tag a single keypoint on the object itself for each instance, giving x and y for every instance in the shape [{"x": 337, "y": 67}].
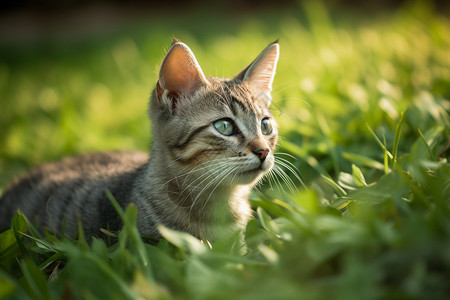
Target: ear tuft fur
[{"x": 175, "y": 40}]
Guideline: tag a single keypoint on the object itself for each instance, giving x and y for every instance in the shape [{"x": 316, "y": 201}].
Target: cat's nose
[{"x": 262, "y": 153}]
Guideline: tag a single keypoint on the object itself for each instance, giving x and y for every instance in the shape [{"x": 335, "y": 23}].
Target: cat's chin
[{"x": 250, "y": 176}]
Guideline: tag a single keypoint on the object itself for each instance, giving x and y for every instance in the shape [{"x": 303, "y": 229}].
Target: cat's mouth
[{"x": 254, "y": 173}]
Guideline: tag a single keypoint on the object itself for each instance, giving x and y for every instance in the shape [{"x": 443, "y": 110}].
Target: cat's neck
[{"x": 194, "y": 206}]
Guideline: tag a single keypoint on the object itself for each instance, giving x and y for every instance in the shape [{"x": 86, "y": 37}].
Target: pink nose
[{"x": 262, "y": 153}]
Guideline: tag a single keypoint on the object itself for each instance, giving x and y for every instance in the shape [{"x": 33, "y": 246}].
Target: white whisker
[
  {"x": 285, "y": 154},
  {"x": 228, "y": 172},
  {"x": 291, "y": 167},
  {"x": 191, "y": 187},
  {"x": 275, "y": 172},
  {"x": 287, "y": 180},
  {"x": 295, "y": 98},
  {"x": 215, "y": 179}
]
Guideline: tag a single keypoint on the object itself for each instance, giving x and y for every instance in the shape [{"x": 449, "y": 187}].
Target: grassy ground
[{"x": 362, "y": 102}]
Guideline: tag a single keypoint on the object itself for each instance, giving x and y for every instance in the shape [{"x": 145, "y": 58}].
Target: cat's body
[
  {"x": 213, "y": 139},
  {"x": 75, "y": 184}
]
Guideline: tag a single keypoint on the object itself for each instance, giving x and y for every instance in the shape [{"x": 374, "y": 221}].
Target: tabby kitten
[{"x": 213, "y": 139}]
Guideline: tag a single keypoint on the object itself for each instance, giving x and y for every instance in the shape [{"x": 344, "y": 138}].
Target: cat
[{"x": 213, "y": 140}]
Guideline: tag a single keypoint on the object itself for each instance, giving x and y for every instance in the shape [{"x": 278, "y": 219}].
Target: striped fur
[{"x": 197, "y": 180}]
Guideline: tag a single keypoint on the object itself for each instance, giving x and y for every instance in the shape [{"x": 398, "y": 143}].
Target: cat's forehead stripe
[{"x": 245, "y": 107}]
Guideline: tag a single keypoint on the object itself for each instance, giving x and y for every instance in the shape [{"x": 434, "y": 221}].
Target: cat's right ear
[
  {"x": 180, "y": 74},
  {"x": 260, "y": 73}
]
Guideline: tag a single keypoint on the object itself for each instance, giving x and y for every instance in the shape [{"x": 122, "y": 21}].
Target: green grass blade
[
  {"x": 129, "y": 218},
  {"x": 397, "y": 139},
  {"x": 358, "y": 176},
  {"x": 363, "y": 160},
  {"x": 424, "y": 140},
  {"x": 36, "y": 281},
  {"x": 340, "y": 191},
  {"x": 386, "y": 158},
  {"x": 382, "y": 146}
]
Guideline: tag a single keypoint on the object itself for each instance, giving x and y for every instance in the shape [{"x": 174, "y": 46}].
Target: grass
[{"x": 362, "y": 104}]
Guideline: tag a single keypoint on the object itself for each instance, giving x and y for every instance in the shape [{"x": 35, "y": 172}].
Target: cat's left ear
[
  {"x": 180, "y": 73},
  {"x": 260, "y": 73}
]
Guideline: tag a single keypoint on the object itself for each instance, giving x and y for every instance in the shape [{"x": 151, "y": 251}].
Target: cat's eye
[
  {"x": 266, "y": 126},
  {"x": 225, "y": 127}
]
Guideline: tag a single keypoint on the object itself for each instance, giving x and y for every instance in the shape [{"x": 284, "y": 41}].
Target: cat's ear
[
  {"x": 260, "y": 73},
  {"x": 180, "y": 72}
]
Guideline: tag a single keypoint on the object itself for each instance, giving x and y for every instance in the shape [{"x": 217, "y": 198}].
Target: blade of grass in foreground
[
  {"x": 387, "y": 155},
  {"x": 363, "y": 160},
  {"x": 129, "y": 218},
  {"x": 397, "y": 139}
]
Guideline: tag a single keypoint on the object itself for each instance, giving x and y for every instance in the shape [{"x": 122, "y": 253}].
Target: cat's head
[{"x": 215, "y": 126}]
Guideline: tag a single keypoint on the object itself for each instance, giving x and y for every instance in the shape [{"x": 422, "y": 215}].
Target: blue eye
[
  {"x": 266, "y": 126},
  {"x": 225, "y": 127}
]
